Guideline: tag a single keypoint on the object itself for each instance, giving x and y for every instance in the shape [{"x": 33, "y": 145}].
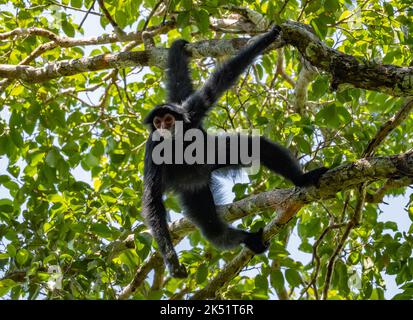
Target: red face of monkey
[
  {"x": 165, "y": 125},
  {"x": 165, "y": 122}
]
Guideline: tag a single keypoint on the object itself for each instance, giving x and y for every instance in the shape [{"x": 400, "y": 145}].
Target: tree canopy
[{"x": 77, "y": 78}]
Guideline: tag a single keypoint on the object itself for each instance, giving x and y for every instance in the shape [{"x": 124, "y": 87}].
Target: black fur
[
  {"x": 192, "y": 182},
  {"x": 179, "y": 85}
]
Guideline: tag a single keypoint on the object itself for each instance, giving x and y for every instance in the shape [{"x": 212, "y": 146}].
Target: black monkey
[{"x": 192, "y": 181}]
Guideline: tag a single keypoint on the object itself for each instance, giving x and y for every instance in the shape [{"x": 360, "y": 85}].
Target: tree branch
[
  {"x": 388, "y": 185},
  {"x": 286, "y": 202},
  {"x": 344, "y": 68},
  {"x": 66, "y": 42},
  {"x": 113, "y": 23},
  {"x": 389, "y": 126},
  {"x": 354, "y": 221}
]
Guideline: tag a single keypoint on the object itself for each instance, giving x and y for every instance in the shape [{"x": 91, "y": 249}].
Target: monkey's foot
[
  {"x": 255, "y": 243},
  {"x": 177, "y": 270},
  {"x": 180, "y": 43},
  {"x": 312, "y": 177}
]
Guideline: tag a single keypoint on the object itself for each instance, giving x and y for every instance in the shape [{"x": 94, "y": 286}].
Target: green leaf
[
  {"x": 404, "y": 251},
  {"x": 202, "y": 20},
  {"x": 22, "y": 256},
  {"x": 332, "y": 5},
  {"x": 70, "y": 148},
  {"x": 391, "y": 225},
  {"x": 37, "y": 158},
  {"x": 277, "y": 279},
  {"x": 51, "y": 158},
  {"x": 68, "y": 28},
  {"x": 6, "y": 205},
  {"x": 261, "y": 282},
  {"x": 183, "y": 19},
  {"x": 306, "y": 247},
  {"x": 102, "y": 230},
  {"x": 333, "y": 116},
  {"x": 186, "y": 4},
  {"x": 5, "y": 286},
  {"x": 4, "y": 144},
  {"x": 98, "y": 149},
  {"x": 4, "y": 256},
  {"x": 76, "y": 3},
  {"x": 293, "y": 277},
  {"x": 201, "y": 273},
  {"x": 16, "y": 138},
  {"x": 91, "y": 160},
  {"x": 11, "y": 250},
  {"x": 353, "y": 258},
  {"x": 403, "y": 296}
]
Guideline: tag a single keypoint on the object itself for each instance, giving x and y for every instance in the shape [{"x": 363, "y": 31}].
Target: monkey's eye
[
  {"x": 169, "y": 119},
  {"x": 157, "y": 122}
]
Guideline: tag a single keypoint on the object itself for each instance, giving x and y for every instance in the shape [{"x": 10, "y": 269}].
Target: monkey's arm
[
  {"x": 178, "y": 81},
  {"x": 223, "y": 78},
  {"x": 154, "y": 213}
]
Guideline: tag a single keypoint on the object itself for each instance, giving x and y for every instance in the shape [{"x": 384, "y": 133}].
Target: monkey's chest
[{"x": 186, "y": 177}]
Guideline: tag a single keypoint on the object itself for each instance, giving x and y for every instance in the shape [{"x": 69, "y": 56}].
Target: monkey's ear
[
  {"x": 151, "y": 115},
  {"x": 149, "y": 118}
]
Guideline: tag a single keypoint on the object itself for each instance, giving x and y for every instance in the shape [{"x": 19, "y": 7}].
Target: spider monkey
[{"x": 192, "y": 181}]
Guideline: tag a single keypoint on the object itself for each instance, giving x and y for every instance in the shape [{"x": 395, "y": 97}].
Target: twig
[
  {"x": 86, "y": 15},
  {"x": 388, "y": 185},
  {"x": 158, "y": 277},
  {"x": 388, "y": 127},
  {"x": 75, "y": 9},
  {"x": 115, "y": 26},
  {"x": 151, "y": 14},
  {"x": 354, "y": 221},
  {"x": 316, "y": 258}
]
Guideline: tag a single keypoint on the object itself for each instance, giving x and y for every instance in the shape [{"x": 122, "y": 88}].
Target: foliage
[{"x": 71, "y": 159}]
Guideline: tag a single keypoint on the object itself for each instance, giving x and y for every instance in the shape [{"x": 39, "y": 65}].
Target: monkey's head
[{"x": 165, "y": 117}]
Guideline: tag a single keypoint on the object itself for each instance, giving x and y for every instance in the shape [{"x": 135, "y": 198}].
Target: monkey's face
[{"x": 165, "y": 124}]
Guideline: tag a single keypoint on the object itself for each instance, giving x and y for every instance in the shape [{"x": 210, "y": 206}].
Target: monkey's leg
[
  {"x": 200, "y": 209},
  {"x": 275, "y": 157},
  {"x": 280, "y": 160},
  {"x": 153, "y": 210},
  {"x": 159, "y": 227}
]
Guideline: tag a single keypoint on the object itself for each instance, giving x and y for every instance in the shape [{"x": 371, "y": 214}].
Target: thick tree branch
[
  {"x": 345, "y": 69},
  {"x": 154, "y": 56},
  {"x": 67, "y": 42},
  {"x": 338, "y": 179},
  {"x": 286, "y": 202}
]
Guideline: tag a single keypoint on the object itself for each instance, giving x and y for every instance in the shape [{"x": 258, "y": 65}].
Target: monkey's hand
[
  {"x": 312, "y": 177},
  {"x": 255, "y": 243},
  {"x": 179, "y": 45},
  {"x": 274, "y": 32},
  {"x": 177, "y": 270}
]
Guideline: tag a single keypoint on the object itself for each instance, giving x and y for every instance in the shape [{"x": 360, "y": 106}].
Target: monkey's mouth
[
  {"x": 173, "y": 132},
  {"x": 166, "y": 133}
]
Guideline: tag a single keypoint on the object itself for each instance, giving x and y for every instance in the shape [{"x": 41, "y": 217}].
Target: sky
[{"x": 394, "y": 210}]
